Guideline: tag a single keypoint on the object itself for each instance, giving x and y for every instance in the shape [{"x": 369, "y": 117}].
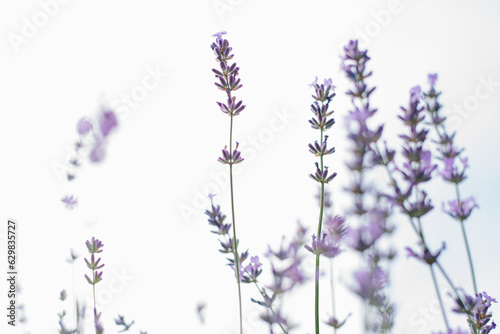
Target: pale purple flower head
[
  {"x": 97, "y": 152},
  {"x": 84, "y": 126},
  {"x": 462, "y": 210},
  {"x": 432, "y": 79},
  {"x": 70, "y": 201},
  {"x": 107, "y": 122},
  {"x": 426, "y": 256},
  {"x": 416, "y": 94},
  {"x": 369, "y": 283}
]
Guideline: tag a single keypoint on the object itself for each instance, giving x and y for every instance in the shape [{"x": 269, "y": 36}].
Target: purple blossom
[
  {"x": 84, "y": 126},
  {"x": 477, "y": 310},
  {"x": 324, "y": 246},
  {"x": 322, "y": 176},
  {"x": 460, "y": 211},
  {"x": 336, "y": 228},
  {"x": 230, "y": 159},
  {"x": 365, "y": 236},
  {"x": 252, "y": 271},
  {"x": 451, "y": 173},
  {"x": 426, "y": 256},
  {"x": 368, "y": 283},
  {"x": 98, "y": 152},
  {"x": 219, "y": 34},
  {"x": 416, "y": 94},
  {"x": 335, "y": 323},
  {"x": 432, "y": 79},
  {"x": 70, "y": 201},
  {"x": 107, "y": 122}
]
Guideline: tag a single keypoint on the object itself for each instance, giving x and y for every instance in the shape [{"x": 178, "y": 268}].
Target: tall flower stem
[
  {"x": 462, "y": 225},
  {"x": 440, "y": 299},
  {"x": 332, "y": 286},
  {"x": 316, "y": 276},
  {"x": 235, "y": 240}
]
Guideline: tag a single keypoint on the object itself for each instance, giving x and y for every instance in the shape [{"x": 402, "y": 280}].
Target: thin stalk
[
  {"x": 440, "y": 267},
  {"x": 95, "y": 308},
  {"x": 320, "y": 223},
  {"x": 270, "y": 308},
  {"x": 462, "y": 225},
  {"x": 332, "y": 284},
  {"x": 235, "y": 241},
  {"x": 439, "y": 298}
]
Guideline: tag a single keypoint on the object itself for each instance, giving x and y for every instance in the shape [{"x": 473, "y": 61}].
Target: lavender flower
[
  {"x": 460, "y": 210},
  {"x": 94, "y": 246},
  {"x": 70, "y": 201},
  {"x": 323, "y": 246},
  {"x": 336, "y": 228},
  {"x": 84, "y": 126},
  {"x": 335, "y": 323},
  {"x": 369, "y": 283},
  {"x": 120, "y": 321},
  {"x": 477, "y": 309},
  {"x": 107, "y": 122},
  {"x": 230, "y": 158},
  {"x": 426, "y": 256}
]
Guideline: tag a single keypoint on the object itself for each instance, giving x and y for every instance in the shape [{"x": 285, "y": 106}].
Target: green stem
[
  {"x": 462, "y": 225},
  {"x": 332, "y": 285},
  {"x": 320, "y": 223},
  {"x": 235, "y": 240},
  {"x": 439, "y": 298},
  {"x": 270, "y": 307}
]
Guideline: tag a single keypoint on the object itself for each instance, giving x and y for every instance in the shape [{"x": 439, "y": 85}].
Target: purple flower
[
  {"x": 335, "y": 323},
  {"x": 450, "y": 171},
  {"x": 97, "y": 152},
  {"x": 322, "y": 176},
  {"x": 477, "y": 310},
  {"x": 324, "y": 246},
  {"x": 70, "y": 201},
  {"x": 432, "y": 79},
  {"x": 219, "y": 34},
  {"x": 369, "y": 282},
  {"x": 252, "y": 271},
  {"x": 84, "y": 126},
  {"x": 107, "y": 122},
  {"x": 416, "y": 94},
  {"x": 460, "y": 211},
  {"x": 230, "y": 159},
  {"x": 336, "y": 227},
  {"x": 321, "y": 150},
  {"x": 426, "y": 256},
  {"x": 94, "y": 245},
  {"x": 365, "y": 236}
]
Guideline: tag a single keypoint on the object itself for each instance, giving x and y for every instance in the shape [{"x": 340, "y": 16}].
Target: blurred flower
[
  {"x": 107, "y": 122},
  {"x": 460, "y": 211},
  {"x": 84, "y": 126},
  {"x": 70, "y": 201}
]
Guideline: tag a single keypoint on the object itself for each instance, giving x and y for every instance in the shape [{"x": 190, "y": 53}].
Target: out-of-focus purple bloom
[
  {"x": 336, "y": 228},
  {"x": 369, "y": 282},
  {"x": 70, "y": 201},
  {"x": 219, "y": 34},
  {"x": 268, "y": 301},
  {"x": 432, "y": 79},
  {"x": 335, "y": 323},
  {"x": 98, "y": 152},
  {"x": 460, "y": 211},
  {"x": 230, "y": 159},
  {"x": 426, "y": 256},
  {"x": 451, "y": 172},
  {"x": 84, "y": 126},
  {"x": 363, "y": 237},
  {"x": 107, "y": 122},
  {"x": 416, "y": 94}
]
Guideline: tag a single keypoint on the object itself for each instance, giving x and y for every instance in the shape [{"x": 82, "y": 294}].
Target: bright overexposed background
[{"x": 146, "y": 200}]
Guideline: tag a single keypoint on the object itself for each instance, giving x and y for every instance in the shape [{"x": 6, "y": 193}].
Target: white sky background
[{"x": 163, "y": 157}]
